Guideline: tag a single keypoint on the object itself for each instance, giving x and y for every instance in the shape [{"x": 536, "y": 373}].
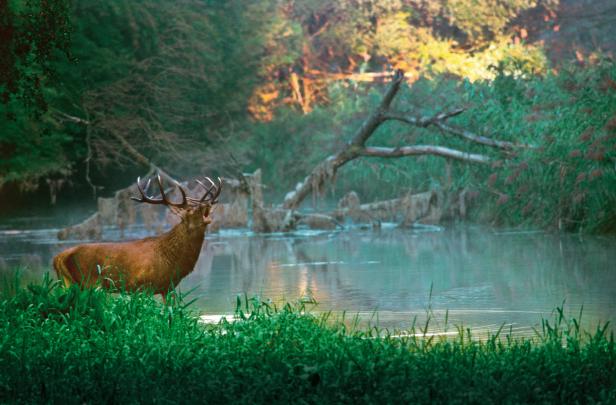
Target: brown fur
[{"x": 157, "y": 263}]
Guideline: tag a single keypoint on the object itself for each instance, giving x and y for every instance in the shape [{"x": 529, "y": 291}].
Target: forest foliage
[{"x": 230, "y": 86}]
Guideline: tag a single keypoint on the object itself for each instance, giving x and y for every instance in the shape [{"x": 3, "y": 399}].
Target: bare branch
[
  {"x": 72, "y": 118},
  {"x": 495, "y": 143},
  {"x": 376, "y": 118},
  {"x": 130, "y": 149},
  {"x": 415, "y": 150},
  {"x": 88, "y": 159},
  {"x": 355, "y": 76},
  {"x": 438, "y": 121},
  {"x": 422, "y": 121}
]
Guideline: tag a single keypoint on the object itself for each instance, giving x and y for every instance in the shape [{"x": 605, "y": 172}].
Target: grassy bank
[{"x": 89, "y": 346}]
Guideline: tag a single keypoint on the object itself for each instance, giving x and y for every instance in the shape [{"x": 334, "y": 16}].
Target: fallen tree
[{"x": 356, "y": 147}]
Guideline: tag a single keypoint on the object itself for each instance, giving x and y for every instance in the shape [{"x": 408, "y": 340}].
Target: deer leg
[
  {"x": 62, "y": 271},
  {"x": 164, "y": 297}
]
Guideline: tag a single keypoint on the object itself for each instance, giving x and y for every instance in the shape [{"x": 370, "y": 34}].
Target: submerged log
[
  {"x": 233, "y": 211},
  {"x": 89, "y": 229},
  {"x": 423, "y": 207},
  {"x": 319, "y": 221}
]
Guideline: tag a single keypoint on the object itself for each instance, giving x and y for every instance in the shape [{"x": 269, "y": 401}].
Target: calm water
[{"x": 482, "y": 278}]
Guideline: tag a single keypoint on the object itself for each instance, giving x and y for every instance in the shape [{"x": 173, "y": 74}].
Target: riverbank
[
  {"x": 90, "y": 346},
  {"x": 481, "y": 276}
]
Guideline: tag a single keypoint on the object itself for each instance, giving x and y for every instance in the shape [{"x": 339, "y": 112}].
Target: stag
[{"x": 157, "y": 263}]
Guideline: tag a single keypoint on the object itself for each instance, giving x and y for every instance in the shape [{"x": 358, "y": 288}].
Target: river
[{"x": 461, "y": 275}]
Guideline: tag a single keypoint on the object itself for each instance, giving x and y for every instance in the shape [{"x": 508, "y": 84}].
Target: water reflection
[{"x": 483, "y": 278}]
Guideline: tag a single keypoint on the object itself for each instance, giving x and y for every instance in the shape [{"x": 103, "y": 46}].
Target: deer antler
[
  {"x": 163, "y": 200},
  {"x": 208, "y": 191}
]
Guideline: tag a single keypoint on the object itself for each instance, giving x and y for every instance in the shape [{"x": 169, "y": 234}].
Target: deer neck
[{"x": 181, "y": 246}]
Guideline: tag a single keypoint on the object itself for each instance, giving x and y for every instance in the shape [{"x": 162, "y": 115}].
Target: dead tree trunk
[
  {"x": 356, "y": 147},
  {"x": 328, "y": 167}
]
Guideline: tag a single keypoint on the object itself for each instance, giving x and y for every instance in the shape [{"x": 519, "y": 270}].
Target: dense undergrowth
[
  {"x": 565, "y": 181},
  {"x": 74, "y": 346}
]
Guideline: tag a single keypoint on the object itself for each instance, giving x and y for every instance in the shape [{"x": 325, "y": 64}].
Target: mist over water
[{"x": 473, "y": 276}]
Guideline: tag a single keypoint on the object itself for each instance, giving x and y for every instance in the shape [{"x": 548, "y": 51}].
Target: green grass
[{"x": 73, "y": 346}]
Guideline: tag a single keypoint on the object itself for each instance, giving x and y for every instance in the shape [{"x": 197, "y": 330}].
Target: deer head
[{"x": 194, "y": 212}]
